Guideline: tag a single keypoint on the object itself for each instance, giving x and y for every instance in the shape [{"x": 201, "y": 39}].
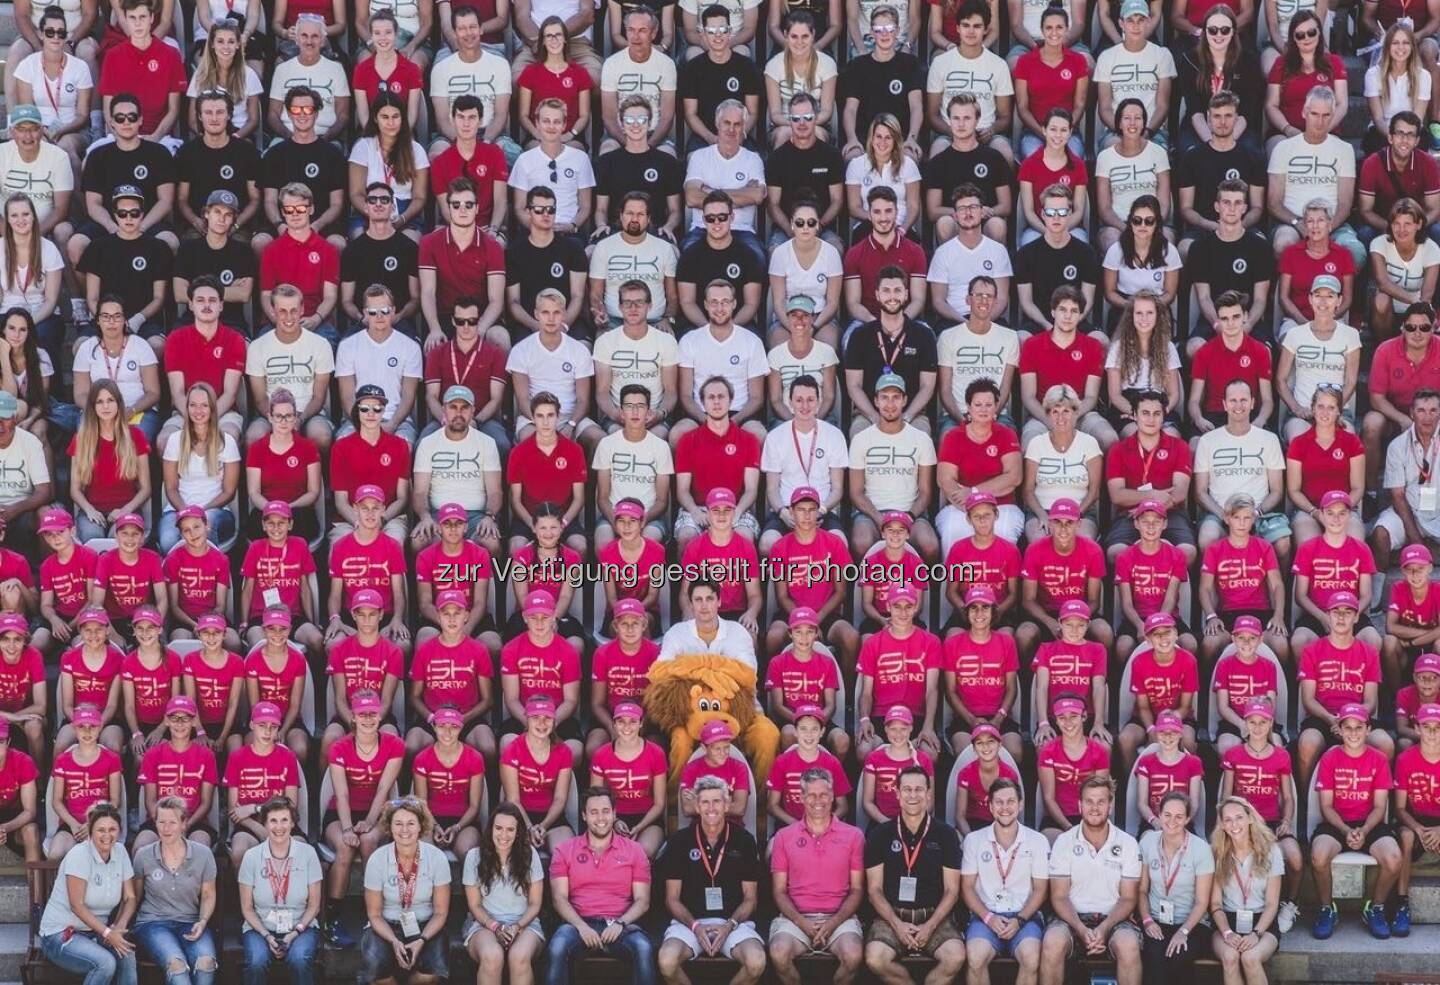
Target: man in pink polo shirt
[
  {"x": 818, "y": 866},
  {"x": 600, "y": 884}
]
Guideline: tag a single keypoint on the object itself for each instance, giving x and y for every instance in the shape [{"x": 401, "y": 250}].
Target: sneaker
[
  {"x": 1289, "y": 913},
  {"x": 1400, "y": 919},
  {"x": 1325, "y": 920},
  {"x": 1375, "y": 921},
  {"x": 337, "y": 937}
]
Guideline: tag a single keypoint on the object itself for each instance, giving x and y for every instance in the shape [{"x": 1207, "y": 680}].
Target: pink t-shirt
[
  {"x": 1242, "y": 681},
  {"x": 1061, "y": 577},
  {"x": 732, "y": 771},
  {"x": 1423, "y": 613},
  {"x": 886, "y": 771},
  {"x": 362, "y": 776},
  {"x": 212, "y": 684},
  {"x": 1258, "y": 780},
  {"x": 179, "y": 774},
  {"x": 452, "y": 674},
  {"x": 199, "y": 578},
  {"x": 981, "y": 670},
  {"x": 85, "y": 786},
  {"x": 992, "y": 567},
  {"x": 275, "y": 685},
  {"x": 92, "y": 685},
  {"x": 17, "y": 680},
  {"x": 805, "y": 565},
  {"x": 1165, "y": 684},
  {"x": 802, "y": 681},
  {"x": 542, "y": 669},
  {"x": 448, "y": 787},
  {"x": 897, "y": 668},
  {"x": 154, "y": 686},
  {"x": 1340, "y": 675},
  {"x": 537, "y": 779},
  {"x": 1164, "y": 777},
  {"x": 1353, "y": 780},
  {"x": 1149, "y": 575},
  {"x": 818, "y": 869},
  {"x": 1333, "y": 569},
  {"x": 785, "y": 778},
  {"x": 631, "y": 781},
  {"x": 735, "y": 564},
  {"x": 1070, "y": 773},
  {"x": 625, "y": 675},
  {"x": 1420, "y": 779},
  {"x": 977, "y": 808},
  {"x": 256, "y": 778},
  {"x": 601, "y": 886},
  {"x": 1240, "y": 573},
  {"x": 1073, "y": 668},
  {"x": 365, "y": 667}
]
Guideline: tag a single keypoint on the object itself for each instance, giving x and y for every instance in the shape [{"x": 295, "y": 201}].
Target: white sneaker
[{"x": 1289, "y": 913}]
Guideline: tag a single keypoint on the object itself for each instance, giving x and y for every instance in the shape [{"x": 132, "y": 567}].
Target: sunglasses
[
  {"x": 542, "y": 209},
  {"x": 1053, "y": 213},
  {"x": 371, "y": 409},
  {"x": 633, "y": 302},
  {"x": 377, "y": 312},
  {"x": 717, "y": 31},
  {"x": 1142, "y": 220},
  {"x": 805, "y": 223},
  {"x": 635, "y": 121},
  {"x": 382, "y": 200},
  {"x": 802, "y": 117},
  {"x": 1307, "y": 35},
  {"x": 882, "y": 28},
  {"x": 465, "y": 322},
  {"x": 129, "y": 213},
  {"x": 462, "y": 203},
  {"x": 717, "y": 217},
  {"x": 54, "y": 32},
  {"x": 125, "y": 117},
  {"x": 295, "y": 209},
  {"x": 1426, "y": 328},
  {"x": 302, "y": 110},
  {"x": 1220, "y": 31}
]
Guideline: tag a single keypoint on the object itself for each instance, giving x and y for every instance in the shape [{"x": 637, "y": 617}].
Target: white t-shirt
[
  {"x": 637, "y": 360},
  {"x": 1135, "y": 74},
  {"x": 41, "y": 178},
  {"x": 366, "y": 152},
  {"x": 485, "y": 78},
  {"x": 72, "y": 10},
  {"x": 624, "y": 76},
  {"x": 387, "y": 364},
  {"x": 735, "y": 8},
  {"x": 740, "y": 358},
  {"x": 977, "y": 357},
  {"x": 572, "y": 173},
  {"x": 1131, "y": 280},
  {"x": 812, "y": 282},
  {"x": 125, "y": 371},
  {"x": 652, "y": 260},
  {"x": 457, "y": 468},
  {"x": 1319, "y": 362},
  {"x": 502, "y": 899},
  {"x": 219, "y": 10},
  {"x": 381, "y": 875},
  {"x": 293, "y": 366},
  {"x": 407, "y": 13},
  {"x": 326, "y": 77},
  {"x": 1311, "y": 170},
  {"x": 1140, "y": 378},
  {"x": 790, "y": 366},
  {"x": 104, "y": 886},
  {"x": 1027, "y": 859},
  {"x": 1061, "y": 474},
  {"x": 634, "y": 466},
  {"x": 22, "y": 467},
  {"x": 1408, "y": 275},
  {"x": 892, "y": 463},
  {"x": 240, "y": 115},
  {"x": 28, "y": 289},
  {"x": 1239, "y": 464},
  {"x": 709, "y": 166},
  {"x": 1094, "y": 876},
  {"x": 1285, "y": 11},
  {"x": 49, "y": 93},
  {"x": 540, "y": 10},
  {"x": 824, "y": 71},
  {"x": 1395, "y": 95},
  {"x": 859, "y": 172},
  {"x": 1195, "y": 860},
  {"x": 778, "y": 456},
  {"x": 555, "y": 370},
  {"x": 956, "y": 264},
  {"x": 1131, "y": 177},
  {"x": 985, "y": 77},
  {"x": 197, "y": 486}
]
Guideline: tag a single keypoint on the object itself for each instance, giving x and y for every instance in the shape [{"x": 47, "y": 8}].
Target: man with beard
[
  {"x": 722, "y": 348},
  {"x": 633, "y": 253},
  {"x": 457, "y": 464},
  {"x": 885, "y": 247},
  {"x": 894, "y": 343},
  {"x": 449, "y": 270},
  {"x": 1005, "y": 878},
  {"x": 719, "y": 254},
  {"x": 636, "y": 353}
]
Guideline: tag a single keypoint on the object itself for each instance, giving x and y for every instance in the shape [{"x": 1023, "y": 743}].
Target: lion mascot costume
[{"x": 693, "y": 689}]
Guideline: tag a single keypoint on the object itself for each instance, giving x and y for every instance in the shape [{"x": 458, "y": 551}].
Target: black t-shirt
[
  {"x": 983, "y": 167},
  {"x": 700, "y": 264},
  {"x": 233, "y": 261},
  {"x": 915, "y": 354},
  {"x": 391, "y": 262},
  {"x": 886, "y": 844},
  {"x": 814, "y": 170},
  {"x": 147, "y": 167},
  {"x": 127, "y": 267},
  {"x": 680, "y": 859},
  {"x": 881, "y": 87},
  {"x": 535, "y": 268},
  {"x": 1045, "y": 268},
  {"x": 710, "y": 84},
  {"x": 1236, "y": 266},
  {"x": 209, "y": 169},
  {"x": 318, "y": 165},
  {"x": 1203, "y": 168},
  {"x": 653, "y": 172}
]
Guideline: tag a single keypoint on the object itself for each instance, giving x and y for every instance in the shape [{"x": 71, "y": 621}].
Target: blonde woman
[
  {"x": 884, "y": 163},
  {"x": 109, "y": 464},
  {"x": 407, "y": 900},
  {"x": 201, "y": 467},
  {"x": 1398, "y": 81},
  {"x": 800, "y": 67},
  {"x": 1245, "y": 893},
  {"x": 222, "y": 66}
]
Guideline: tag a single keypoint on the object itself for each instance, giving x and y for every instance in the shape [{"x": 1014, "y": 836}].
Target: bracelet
[
  {"x": 493, "y": 926},
  {"x": 1183, "y": 930},
  {"x": 1147, "y": 921},
  {"x": 108, "y": 931}
]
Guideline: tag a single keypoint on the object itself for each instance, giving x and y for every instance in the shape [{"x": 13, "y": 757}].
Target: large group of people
[{"x": 405, "y": 380}]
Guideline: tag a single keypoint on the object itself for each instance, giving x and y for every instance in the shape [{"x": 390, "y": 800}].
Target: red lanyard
[
  {"x": 112, "y": 372},
  {"x": 460, "y": 377},
  {"x": 807, "y": 462},
  {"x": 279, "y": 882},
  {"x": 887, "y": 354},
  {"x": 1148, "y": 460},
  {"x": 1005, "y": 870},
  {"x": 906, "y": 855},
  {"x": 712, "y": 871},
  {"x": 54, "y": 97},
  {"x": 1425, "y": 463},
  {"x": 1171, "y": 876},
  {"x": 1244, "y": 887},
  {"x": 406, "y": 882}
]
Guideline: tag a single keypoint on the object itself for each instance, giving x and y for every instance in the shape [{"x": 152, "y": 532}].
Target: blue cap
[
  {"x": 890, "y": 381},
  {"x": 458, "y": 391},
  {"x": 1324, "y": 282},
  {"x": 25, "y": 113}
]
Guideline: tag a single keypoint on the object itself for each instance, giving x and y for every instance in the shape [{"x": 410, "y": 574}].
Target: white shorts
[
  {"x": 953, "y": 525},
  {"x": 677, "y": 931},
  {"x": 745, "y": 523},
  {"x": 783, "y": 925},
  {"x": 1390, "y": 521}
]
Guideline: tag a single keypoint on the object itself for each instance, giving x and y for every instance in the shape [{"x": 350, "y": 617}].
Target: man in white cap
[{"x": 458, "y": 464}]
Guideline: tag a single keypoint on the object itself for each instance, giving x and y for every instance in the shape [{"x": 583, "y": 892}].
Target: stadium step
[{"x": 1352, "y": 955}]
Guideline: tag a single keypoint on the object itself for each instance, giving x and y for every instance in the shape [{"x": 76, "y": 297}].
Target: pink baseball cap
[
  {"x": 1412, "y": 554},
  {"x": 718, "y": 498},
  {"x": 1335, "y": 497},
  {"x": 1068, "y": 706},
  {"x": 979, "y": 595},
  {"x": 1158, "y": 620},
  {"x": 447, "y": 716},
  {"x": 93, "y": 613},
  {"x": 1064, "y": 508},
  {"x": 369, "y": 491},
  {"x": 810, "y": 710},
  {"x": 149, "y": 614},
  {"x": 899, "y": 713},
  {"x": 629, "y": 609},
  {"x": 451, "y": 511},
  {"x": 278, "y": 507},
  {"x": 181, "y": 705},
  {"x": 805, "y": 494},
  {"x": 266, "y": 713},
  {"x": 628, "y": 709},
  {"x": 897, "y": 516},
  {"x": 983, "y": 729},
  {"x": 1247, "y": 624},
  {"x": 980, "y": 498},
  {"x": 14, "y": 622},
  {"x": 1074, "y": 609},
  {"x": 211, "y": 620},
  {"x": 366, "y": 598},
  {"x": 365, "y": 703},
  {"x": 716, "y": 730},
  {"x": 1169, "y": 721},
  {"x": 276, "y": 615},
  {"x": 452, "y": 596},
  {"x": 904, "y": 593},
  {"x": 539, "y": 706},
  {"x": 1427, "y": 714},
  {"x": 630, "y": 508},
  {"x": 189, "y": 513},
  {"x": 86, "y": 715},
  {"x": 131, "y": 520},
  {"x": 1426, "y": 663},
  {"x": 1343, "y": 600},
  {"x": 1261, "y": 709},
  {"x": 539, "y": 601},
  {"x": 55, "y": 519},
  {"x": 1354, "y": 711},
  {"x": 1148, "y": 506},
  {"x": 804, "y": 616}
]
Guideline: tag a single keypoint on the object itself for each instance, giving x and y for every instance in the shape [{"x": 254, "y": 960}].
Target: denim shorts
[
  {"x": 379, "y": 961},
  {"x": 1031, "y": 930}
]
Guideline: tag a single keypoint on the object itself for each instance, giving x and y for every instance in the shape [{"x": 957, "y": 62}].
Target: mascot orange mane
[{"x": 693, "y": 689}]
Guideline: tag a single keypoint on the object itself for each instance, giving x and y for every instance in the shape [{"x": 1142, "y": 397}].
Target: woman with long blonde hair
[
  {"x": 1245, "y": 893},
  {"x": 884, "y": 163},
  {"x": 1398, "y": 81},
  {"x": 800, "y": 67},
  {"x": 109, "y": 463},
  {"x": 222, "y": 67},
  {"x": 33, "y": 271},
  {"x": 201, "y": 466}
]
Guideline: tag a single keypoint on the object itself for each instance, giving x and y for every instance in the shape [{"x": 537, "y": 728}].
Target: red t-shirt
[
  {"x": 1324, "y": 469},
  {"x": 1294, "y": 88},
  {"x": 485, "y": 167},
  {"x": 179, "y": 774},
  {"x": 1424, "y": 613},
  {"x": 1041, "y": 176},
  {"x": 1219, "y": 367},
  {"x": 733, "y": 771},
  {"x": 447, "y": 788},
  {"x": 447, "y": 366},
  {"x": 1070, "y": 773},
  {"x": 1165, "y": 777},
  {"x": 256, "y": 778},
  {"x": 1240, "y": 573},
  {"x": 365, "y": 667},
  {"x": 979, "y": 461},
  {"x": 886, "y": 771},
  {"x": 444, "y": 571},
  {"x": 154, "y": 686},
  {"x": 991, "y": 566},
  {"x": 633, "y": 581},
  {"x": 716, "y": 460},
  {"x": 1149, "y": 575},
  {"x": 1051, "y": 87},
  {"x": 282, "y": 569},
  {"x": 128, "y": 586},
  {"x": 1258, "y": 780},
  {"x": 1419, "y": 778},
  {"x": 1353, "y": 780},
  {"x": 1394, "y": 376},
  {"x": 284, "y": 475},
  {"x": 1243, "y": 681},
  {"x": 16, "y": 770},
  {"x": 404, "y": 78},
  {"x": 92, "y": 685},
  {"x": 1340, "y": 676},
  {"x": 1333, "y": 569},
  {"x": 354, "y": 462},
  {"x": 152, "y": 76},
  {"x": 316, "y": 8},
  {"x": 880, "y": 573},
  {"x": 309, "y": 266},
  {"x": 545, "y": 84},
  {"x": 1156, "y": 468},
  {"x": 1165, "y": 684},
  {"x": 1073, "y": 668},
  {"x": 275, "y": 685},
  {"x": 107, "y": 490},
  {"x": 625, "y": 675},
  {"x": 457, "y": 272},
  {"x": 785, "y": 778},
  {"x": 1378, "y": 176},
  {"x": 731, "y": 566},
  {"x": 632, "y": 781},
  {"x": 452, "y": 674},
  {"x": 897, "y": 668},
  {"x": 212, "y": 684},
  {"x": 17, "y": 680},
  {"x": 69, "y": 580},
  {"x": 1062, "y": 577},
  {"x": 201, "y": 360},
  {"x": 977, "y": 808},
  {"x": 547, "y": 577},
  {"x": 371, "y": 565},
  {"x": 981, "y": 670},
  {"x": 85, "y": 786},
  {"x": 362, "y": 776},
  {"x": 1052, "y": 364},
  {"x": 801, "y": 682},
  {"x": 537, "y": 780},
  {"x": 1303, "y": 269},
  {"x": 199, "y": 578},
  {"x": 541, "y": 669},
  {"x": 804, "y": 566},
  {"x": 546, "y": 478}
]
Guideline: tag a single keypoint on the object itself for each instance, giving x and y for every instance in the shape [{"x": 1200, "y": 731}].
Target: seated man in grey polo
[{"x": 458, "y": 464}]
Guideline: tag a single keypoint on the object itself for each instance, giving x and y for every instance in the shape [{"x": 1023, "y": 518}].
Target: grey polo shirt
[{"x": 166, "y": 895}]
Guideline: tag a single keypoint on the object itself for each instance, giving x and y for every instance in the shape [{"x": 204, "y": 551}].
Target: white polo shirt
[
  {"x": 1027, "y": 859},
  {"x": 731, "y": 641},
  {"x": 1095, "y": 875}
]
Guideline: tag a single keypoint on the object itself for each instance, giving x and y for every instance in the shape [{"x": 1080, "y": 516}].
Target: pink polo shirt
[
  {"x": 601, "y": 886},
  {"x": 818, "y": 868}
]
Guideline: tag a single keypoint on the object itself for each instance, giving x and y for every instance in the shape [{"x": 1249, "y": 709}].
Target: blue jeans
[
  {"x": 164, "y": 940},
  {"x": 222, "y": 528},
  {"x": 300, "y": 959},
  {"x": 634, "y": 945},
  {"x": 84, "y": 955}
]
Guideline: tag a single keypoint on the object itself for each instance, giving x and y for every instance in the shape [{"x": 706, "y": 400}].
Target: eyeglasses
[
  {"x": 1142, "y": 220},
  {"x": 371, "y": 409},
  {"x": 54, "y": 32},
  {"x": 968, "y": 207},
  {"x": 633, "y": 302},
  {"x": 302, "y": 110},
  {"x": 465, "y": 322},
  {"x": 981, "y": 296},
  {"x": 404, "y": 802},
  {"x": 1306, "y": 35},
  {"x": 282, "y": 417},
  {"x": 377, "y": 312},
  {"x": 635, "y": 121},
  {"x": 802, "y": 117},
  {"x": 462, "y": 203},
  {"x": 805, "y": 223},
  {"x": 1052, "y": 213},
  {"x": 1220, "y": 30},
  {"x": 1426, "y": 328},
  {"x": 111, "y": 316},
  {"x": 1406, "y": 134},
  {"x": 129, "y": 213},
  {"x": 632, "y": 405},
  {"x": 717, "y": 217},
  {"x": 542, "y": 209},
  {"x": 295, "y": 209},
  {"x": 125, "y": 117}
]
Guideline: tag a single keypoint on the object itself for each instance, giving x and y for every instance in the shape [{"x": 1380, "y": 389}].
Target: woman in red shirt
[
  {"x": 276, "y": 671},
  {"x": 90, "y": 674},
  {"x": 1326, "y": 458},
  {"x": 283, "y": 466},
  {"x": 387, "y": 71},
  {"x": 536, "y": 771},
  {"x": 551, "y": 76},
  {"x": 1051, "y": 76},
  {"x": 109, "y": 464},
  {"x": 83, "y": 775},
  {"x": 635, "y": 769},
  {"x": 1304, "y": 65},
  {"x": 1053, "y": 163},
  {"x": 450, "y": 777}
]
